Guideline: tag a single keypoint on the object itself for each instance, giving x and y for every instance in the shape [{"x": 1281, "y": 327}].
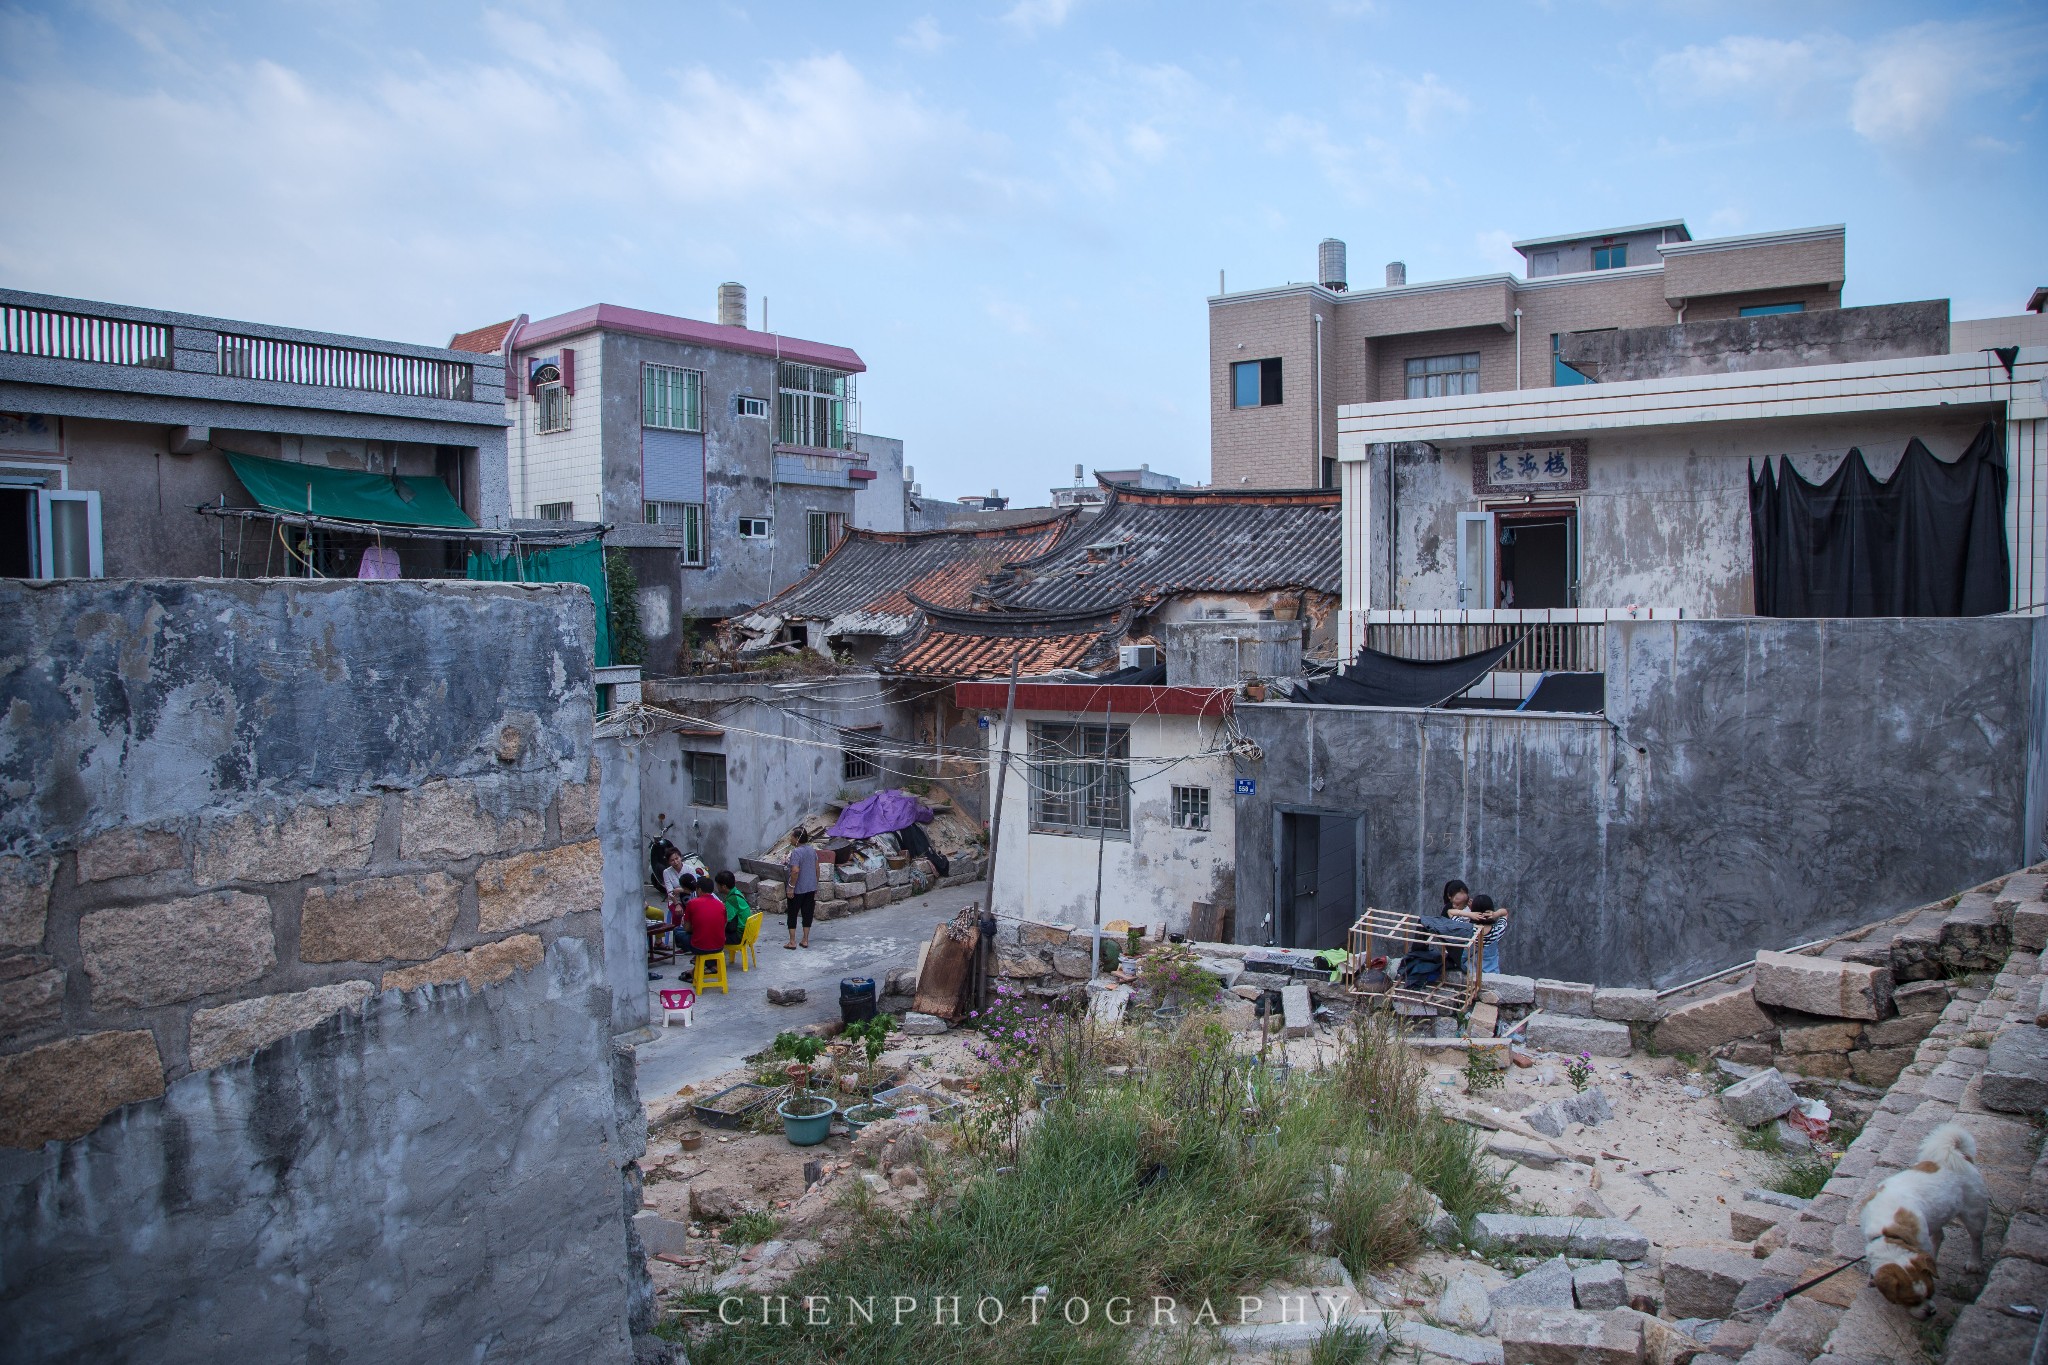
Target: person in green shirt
[{"x": 737, "y": 911}]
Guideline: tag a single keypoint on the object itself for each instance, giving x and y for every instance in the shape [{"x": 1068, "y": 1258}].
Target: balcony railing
[
  {"x": 1572, "y": 640},
  {"x": 343, "y": 367},
  {"x": 55, "y": 335}
]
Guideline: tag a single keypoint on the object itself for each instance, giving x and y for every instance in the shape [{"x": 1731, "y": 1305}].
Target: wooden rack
[{"x": 1385, "y": 933}]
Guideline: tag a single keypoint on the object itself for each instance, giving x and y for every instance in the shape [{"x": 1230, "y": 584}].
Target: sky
[{"x": 1016, "y": 211}]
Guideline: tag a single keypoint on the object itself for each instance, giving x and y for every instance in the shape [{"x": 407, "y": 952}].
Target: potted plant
[
  {"x": 859, "y": 1116},
  {"x": 806, "y": 1118},
  {"x": 801, "y": 1049},
  {"x": 872, "y": 1037}
]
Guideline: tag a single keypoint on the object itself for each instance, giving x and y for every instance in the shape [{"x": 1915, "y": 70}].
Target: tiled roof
[
  {"x": 866, "y": 584},
  {"x": 610, "y": 317},
  {"x": 484, "y": 340},
  {"x": 974, "y": 644},
  {"x": 1146, "y": 545}
]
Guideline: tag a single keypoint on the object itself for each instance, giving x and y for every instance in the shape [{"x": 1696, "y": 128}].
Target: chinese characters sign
[{"x": 1558, "y": 467}]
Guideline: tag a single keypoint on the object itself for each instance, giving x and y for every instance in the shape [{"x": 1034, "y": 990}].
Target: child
[
  {"x": 737, "y": 911},
  {"x": 1484, "y": 911}
]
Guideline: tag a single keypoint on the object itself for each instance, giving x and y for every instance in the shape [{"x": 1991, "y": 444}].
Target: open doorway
[
  {"x": 1536, "y": 554},
  {"x": 1317, "y": 899}
]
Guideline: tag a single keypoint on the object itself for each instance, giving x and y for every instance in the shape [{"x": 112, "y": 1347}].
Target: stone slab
[
  {"x": 160, "y": 954},
  {"x": 1564, "y": 1336},
  {"x": 1564, "y": 997},
  {"x": 2030, "y": 927},
  {"x": 62, "y": 1090},
  {"x": 1600, "y": 1286},
  {"x": 1818, "y": 985},
  {"x": 1626, "y": 1004},
  {"x": 444, "y": 819},
  {"x": 24, "y": 899},
  {"x": 1512, "y": 990},
  {"x": 1297, "y": 1011},
  {"x": 1033, "y": 934},
  {"x": 1592, "y": 1238},
  {"x": 284, "y": 845},
  {"x": 1465, "y": 1304},
  {"x": 1706, "y": 1024},
  {"x": 1435, "y": 1343},
  {"x": 129, "y": 852},
  {"x": 923, "y": 1025},
  {"x": 1564, "y": 1033},
  {"x": 486, "y": 964},
  {"x": 379, "y": 919},
  {"x": 2015, "y": 1079},
  {"x": 1758, "y": 1100},
  {"x": 532, "y": 888},
  {"x": 1107, "y": 1007},
  {"x": 237, "y": 1029},
  {"x": 31, "y": 995},
  {"x": 661, "y": 1236},
  {"x": 1703, "y": 1282},
  {"x": 1748, "y": 1221}
]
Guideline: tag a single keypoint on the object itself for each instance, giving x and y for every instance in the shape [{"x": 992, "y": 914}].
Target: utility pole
[
  {"x": 1101, "y": 838},
  {"x": 995, "y": 815}
]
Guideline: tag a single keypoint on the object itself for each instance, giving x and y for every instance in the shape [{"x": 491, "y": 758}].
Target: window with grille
[
  {"x": 812, "y": 406},
  {"x": 857, "y": 763},
  {"x": 671, "y": 398},
  {"x": 1191, "y": 808},
  {"x": 1443, "y": 376},
  {"x": 553, "y": 412},
  {"x": 555, "y": 511},
  {"x": 707, "y": 778},
  {"x": 826, "y": 528},
  {"x": 1080, "y": 778},
  {"x": 687, "y": 515}
]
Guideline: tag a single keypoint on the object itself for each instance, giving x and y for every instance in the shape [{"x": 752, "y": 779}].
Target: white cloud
[
  {"x": 1124, "y": 116},
  {"x": 1911, "y": 81},
  {"x": 1430, "y": 103},
  {"x": 1029, "y": 16},
  {"x": 923, "y": 36}
]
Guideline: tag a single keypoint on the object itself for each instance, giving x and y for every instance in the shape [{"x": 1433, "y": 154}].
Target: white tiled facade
[{"x": 562, "y": 466}]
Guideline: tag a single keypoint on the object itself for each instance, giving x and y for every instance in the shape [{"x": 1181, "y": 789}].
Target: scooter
[{"x": 659, "y": 852}]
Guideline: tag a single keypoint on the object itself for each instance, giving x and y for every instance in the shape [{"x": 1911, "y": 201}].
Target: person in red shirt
[{"x": 705, "y": 916}]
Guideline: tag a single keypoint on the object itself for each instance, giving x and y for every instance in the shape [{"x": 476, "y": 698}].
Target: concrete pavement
[{"x": 732, "y": 1025}]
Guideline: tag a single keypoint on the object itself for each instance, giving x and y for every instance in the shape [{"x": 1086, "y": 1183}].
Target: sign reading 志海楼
[{"x": 1552, "y": 467}]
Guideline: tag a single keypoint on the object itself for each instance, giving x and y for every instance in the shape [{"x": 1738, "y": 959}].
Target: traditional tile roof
[
  {"x": 980, "y": 644},
  {"x": 1146, "y": 545},
  {"x": 866, "y": 584},
  {"x": 485, "y": 340}
]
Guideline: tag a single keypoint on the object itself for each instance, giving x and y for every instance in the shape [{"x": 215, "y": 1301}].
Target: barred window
[
  {"x": 552, "y": 413},
  {"x": 1080, "y": 778},
  {"x": 671, "y": 398},
  {"x": 1191, "y": 808},
  {"x": 857, "y": 763},
  {"x": 707, "y": 778},
  {"x": 555, "y": 511},
  {"x": 689, "y": 516}
]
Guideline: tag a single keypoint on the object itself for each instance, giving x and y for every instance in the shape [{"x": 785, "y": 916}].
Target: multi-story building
[
  {"x": 725, "y": 460},
  {"x": 1282, "y": 360}
]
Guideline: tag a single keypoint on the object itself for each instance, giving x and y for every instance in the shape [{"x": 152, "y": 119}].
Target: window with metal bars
[
  {"x": 1080, "y": 778},
  {"x": 553, "y": 408},
  {"x": 826, "y": 528},
  {"x": 671, "y": 398},
  {"x": 687, "y": 515},
  {"x": 1191, "y": 808},
  {"x": 857, "y": 763},
  {"x": 707, "y": 778},
  {"x": 811, "y": 407},
  {"x": 555, "y": 511}
]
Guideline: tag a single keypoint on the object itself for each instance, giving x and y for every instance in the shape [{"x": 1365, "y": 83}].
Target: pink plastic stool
[{"x": 683, "y": 1002}]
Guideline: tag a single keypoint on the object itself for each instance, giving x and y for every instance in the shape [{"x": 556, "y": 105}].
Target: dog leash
[{"x": 1802, "y": 1288}]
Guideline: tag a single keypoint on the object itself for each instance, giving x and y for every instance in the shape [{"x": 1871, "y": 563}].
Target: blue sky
[{"x": 1013, "y": 211}]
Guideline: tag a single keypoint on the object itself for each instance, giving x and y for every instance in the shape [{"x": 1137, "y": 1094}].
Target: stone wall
[{"x": 304, "y": 1027}]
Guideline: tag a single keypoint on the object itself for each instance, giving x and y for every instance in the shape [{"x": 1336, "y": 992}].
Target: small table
[{"x": 657, "y": 951}]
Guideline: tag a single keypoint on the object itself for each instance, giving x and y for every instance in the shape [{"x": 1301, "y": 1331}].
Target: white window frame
[
  {"x": 1475, "y": 570},
  {"x": 746, "y": 405},
  {"x": 756, "y": 528},
  {"x": 671, "y": 381},
  {"x": 550, "y": 396},
  {"x": 46, "y": 546}
]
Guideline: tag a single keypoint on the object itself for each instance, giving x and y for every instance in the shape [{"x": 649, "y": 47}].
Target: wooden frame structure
[{"x": 1390, "y": 934}]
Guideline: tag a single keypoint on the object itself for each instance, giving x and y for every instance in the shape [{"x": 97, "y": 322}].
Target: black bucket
[{"x": 856, "y": 998}]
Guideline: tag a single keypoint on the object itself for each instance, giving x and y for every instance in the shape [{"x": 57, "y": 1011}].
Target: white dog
[{"x": 1903, "y": 1218}]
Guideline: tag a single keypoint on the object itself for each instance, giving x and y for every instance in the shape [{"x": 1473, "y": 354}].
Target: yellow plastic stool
[
  {"x": 743, "y": 951},
  {"x": 710, "y": 970}
]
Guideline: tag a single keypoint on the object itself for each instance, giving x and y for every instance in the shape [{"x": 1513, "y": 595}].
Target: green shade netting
[
  {"x": 559, "y": 564},
  {"x": 348, "y": 494}
]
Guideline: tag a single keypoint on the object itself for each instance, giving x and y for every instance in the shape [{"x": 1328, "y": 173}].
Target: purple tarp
[{"x": 882, "y": 813}]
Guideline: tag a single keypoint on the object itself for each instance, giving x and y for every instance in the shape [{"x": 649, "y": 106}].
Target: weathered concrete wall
[
  {"x": 625, "y": 883},
  {"x": 1152, "y": 873},
  {"x": 301, "y": 973},
  {"x": 1755, "y": 784},
  {"x": 1663, "y": 522},
  {"x": 781, "y": 743},
  {"x": 1828, "y": 336}
]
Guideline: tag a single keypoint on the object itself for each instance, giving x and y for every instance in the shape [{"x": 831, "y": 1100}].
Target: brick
[
  {"x": 1706, "y": 1024},
  {"x": 245, "y": 1026},
  {"x": 1626, "y": 1004},
  {"x": 129, "y": 852},
  {"x": 176, "y": 950},
  {"x": 31, "y": 995},
  {"x": 1703, "y": 1282},
  {"x": 1564, "y": 1336},
  {"x": 62, "y": 1090},
  {"x": 282, "y": 846},
  {"x": 382, "y": 918},
  {"x": 484, "y": 965},
  {"x": 1573, "y": 998},
  {"x": 1595, "y": 1037},
  {"x": 1879, "y": 1066},
  {"x": 444, "y": 819},
  {"x": 529, "y": 888},
  {"x": 1818, "y": 985},
  {"x": 24, "y": 900}
]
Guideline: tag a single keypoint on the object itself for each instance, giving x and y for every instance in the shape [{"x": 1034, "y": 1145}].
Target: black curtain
[
  {"x": 1376, "y": 679},
  {"x": 1929, "y": 541}
]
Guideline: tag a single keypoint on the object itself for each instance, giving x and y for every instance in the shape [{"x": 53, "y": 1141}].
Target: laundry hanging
[{"x": 1928, "y": 541}]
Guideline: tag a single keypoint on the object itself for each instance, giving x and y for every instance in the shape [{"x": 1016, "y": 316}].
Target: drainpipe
[
  {"x": 518, "y": 408},
  {"x": 1318, "y": 482},
  {"x": 1518, "y": 349}
]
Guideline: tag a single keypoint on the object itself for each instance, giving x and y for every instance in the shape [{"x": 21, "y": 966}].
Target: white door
[
  {"x": 68, "y": 526},
  {"x": 1475, "y": 561}
]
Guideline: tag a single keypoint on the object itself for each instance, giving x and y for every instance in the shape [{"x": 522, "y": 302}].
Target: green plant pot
[
  {"x": 859, "y": 1116},
  {"x": 1047, "y": 1091},
  {"x": 806, "y": 1130}
]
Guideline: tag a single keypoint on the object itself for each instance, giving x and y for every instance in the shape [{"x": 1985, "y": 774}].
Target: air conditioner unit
[
  {"x": 1137, "y": 656},
  {"x": 750, "y": 407}
]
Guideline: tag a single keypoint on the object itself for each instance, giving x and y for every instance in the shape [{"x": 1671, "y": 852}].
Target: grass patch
[
  {"x": 1344, "y": 1343},
  {"x": 751, "y": 1227},
  {"x": 1190, "y": 1181},
  {"x": 1802, "y": 1176},
  {"x": 1762, "y": 1138}
]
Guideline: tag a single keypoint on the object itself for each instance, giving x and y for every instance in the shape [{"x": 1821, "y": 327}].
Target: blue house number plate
[{"x": 1247, "y": 786}]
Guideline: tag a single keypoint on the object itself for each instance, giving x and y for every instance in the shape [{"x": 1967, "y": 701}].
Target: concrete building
[
  {"x": 116, "y": 423},
  {"x": 1282, "y": 360},
  {"x": 1095, "y": 492},
  {"x": 726, "y": 461}
]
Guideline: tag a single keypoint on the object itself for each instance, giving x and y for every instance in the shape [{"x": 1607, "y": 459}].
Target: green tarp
[
  {"x": 560, "y": 564},
  {"x": 348, "y": 494}
]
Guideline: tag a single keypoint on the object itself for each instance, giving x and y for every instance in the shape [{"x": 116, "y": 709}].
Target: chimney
[
  {"x": 1330, "y": 264},
  {"x": 1397, "y": 274},
  {"x": 732, "y": 305}
]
